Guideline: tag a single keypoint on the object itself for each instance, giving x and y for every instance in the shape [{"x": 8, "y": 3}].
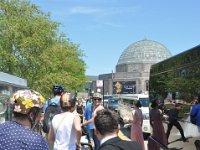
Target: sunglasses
[{"x": 99, "y": 99}]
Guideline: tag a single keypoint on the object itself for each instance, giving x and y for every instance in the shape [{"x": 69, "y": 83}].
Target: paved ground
[{"x": 175, "y": 141}]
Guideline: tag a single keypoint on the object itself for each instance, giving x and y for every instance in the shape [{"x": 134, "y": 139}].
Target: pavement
[{"x": 175, "y": 140}]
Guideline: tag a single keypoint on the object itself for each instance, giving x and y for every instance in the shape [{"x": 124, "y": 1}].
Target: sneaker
[{"x": 185, "y": 140}]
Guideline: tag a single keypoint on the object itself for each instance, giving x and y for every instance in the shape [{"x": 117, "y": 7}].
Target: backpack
[{"x": 52, "y": 110}]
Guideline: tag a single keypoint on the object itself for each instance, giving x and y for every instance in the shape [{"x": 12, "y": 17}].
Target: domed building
[
  {"x": 133, "y": 68},
  {"x": 143, "y": 52}
]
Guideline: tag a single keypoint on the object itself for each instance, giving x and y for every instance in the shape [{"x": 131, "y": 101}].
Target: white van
[
  {"x": 125, "y": 109},
  {"x": 105, "y": 100}
]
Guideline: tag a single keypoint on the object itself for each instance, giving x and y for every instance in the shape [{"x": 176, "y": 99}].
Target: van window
[{"x": 144, "y": 102}]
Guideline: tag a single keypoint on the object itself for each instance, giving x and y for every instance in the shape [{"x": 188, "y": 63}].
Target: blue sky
[{"x": 104, "y": 28}]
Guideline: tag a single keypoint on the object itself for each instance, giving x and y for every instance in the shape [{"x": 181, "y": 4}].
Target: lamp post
[{"x": 103, "y": 93}]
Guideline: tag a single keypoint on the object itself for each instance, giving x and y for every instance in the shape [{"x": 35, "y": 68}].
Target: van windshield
[
  {"x": 107, "y": 97},
  {"x": 144, "y": 102},
  {"x": 113, "y": 101}
]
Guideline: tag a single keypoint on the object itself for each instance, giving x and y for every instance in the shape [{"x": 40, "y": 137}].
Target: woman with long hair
[
  {"x": 136, "y": 124},
  {"x": 156, "y": 121}
]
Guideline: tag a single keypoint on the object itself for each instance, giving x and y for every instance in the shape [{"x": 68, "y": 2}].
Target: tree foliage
[
  {"x": 31, "y": 48},
  {"x": 178, "y": 76}
]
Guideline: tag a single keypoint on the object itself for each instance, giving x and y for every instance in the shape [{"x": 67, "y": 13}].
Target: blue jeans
[
  {"x": 91, "y": 135},
  {"x": 96, "y": 141}
]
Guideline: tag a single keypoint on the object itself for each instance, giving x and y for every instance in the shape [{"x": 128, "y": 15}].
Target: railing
[{"x": 164, "y": 147}]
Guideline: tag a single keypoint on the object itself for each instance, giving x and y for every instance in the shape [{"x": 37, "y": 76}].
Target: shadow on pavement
[
  {"x": 177, "y": 140},
  {"x": 175, "y": 148}
]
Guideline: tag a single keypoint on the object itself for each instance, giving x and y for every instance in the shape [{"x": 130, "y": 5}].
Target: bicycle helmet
[
  {"x": 68, "y": 99},
  {"x": 24, "y": 100},
  {"x": 58, "y": 89}
]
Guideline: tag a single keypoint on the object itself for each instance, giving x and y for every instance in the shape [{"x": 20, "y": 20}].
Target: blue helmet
[{"x": 57, "y": 89}]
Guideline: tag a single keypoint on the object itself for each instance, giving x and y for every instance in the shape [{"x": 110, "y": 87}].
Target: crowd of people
[{"x": 64, "y": 128}]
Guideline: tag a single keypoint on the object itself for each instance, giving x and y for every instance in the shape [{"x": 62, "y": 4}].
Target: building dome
[{"x": 144, "y": 51}]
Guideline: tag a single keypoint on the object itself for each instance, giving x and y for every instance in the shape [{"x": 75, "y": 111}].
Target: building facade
[
  {"x": 10, "y": 83},
  {"x": 132, "y": 70}
]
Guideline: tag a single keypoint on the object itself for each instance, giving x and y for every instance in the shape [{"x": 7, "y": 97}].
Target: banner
[
  {"x": 99, "y": 83},
  {"x": 124, "y": 87}
]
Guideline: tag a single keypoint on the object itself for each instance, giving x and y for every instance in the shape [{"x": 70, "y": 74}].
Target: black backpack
[{"x": 52, "y": 110}]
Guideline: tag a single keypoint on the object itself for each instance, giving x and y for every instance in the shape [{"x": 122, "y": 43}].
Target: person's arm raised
[
  {"x": 92, "y": 119},
  {"x": 89, "y": 121}
]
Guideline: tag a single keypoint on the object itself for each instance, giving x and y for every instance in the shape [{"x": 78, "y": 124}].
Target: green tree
[
  {"x": 62, "y": 64},
  {"x": 30, "y": 48}
]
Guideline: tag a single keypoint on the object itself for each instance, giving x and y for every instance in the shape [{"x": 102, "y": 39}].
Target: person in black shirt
[
  {"x": 80, "y": 110},
  {"x": 173, "y": 121}
]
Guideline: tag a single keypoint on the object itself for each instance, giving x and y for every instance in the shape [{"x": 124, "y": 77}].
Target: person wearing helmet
[
  {"x": 18, "y": 134},
  {"x": 65, "y": 131},
  {"x": 57, "y": 91}
]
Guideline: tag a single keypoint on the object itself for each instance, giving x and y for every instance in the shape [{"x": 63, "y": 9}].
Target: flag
[{"x": 113, "y": 76}]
